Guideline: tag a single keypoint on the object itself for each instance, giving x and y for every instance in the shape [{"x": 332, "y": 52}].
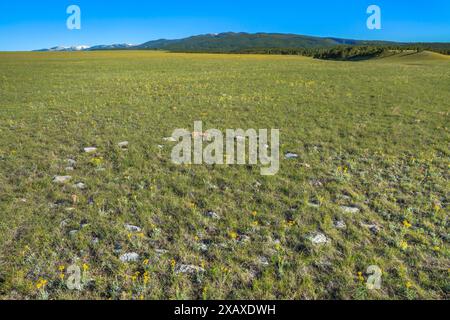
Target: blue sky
[{"x": 28, "y": 25}]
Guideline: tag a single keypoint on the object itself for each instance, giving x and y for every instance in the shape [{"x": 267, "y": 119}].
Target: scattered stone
[
  {"x": 347, "y": 209},
  {"x": 313, "y": 205},
  {"x": 213, "y": 215},
  {"x": 61, "y": 179},
  {"x": 170, "y": 139},
  {"x": 95, "y": 241},
  {"x": 123, "y": 144},
  {"x": 73, "y": 233},
  {"x": 203, "y": 247},
  {"x": 80, "y": 186},
  {"x": 242, "y": 238},
  {"x": 189, "y": 269},
  {"x": 161, "y": 251},
  {"x": 291, "y": 155},
  {"x": 71, "y": 162},
  {"x": 117, "y": 248},
  {"x": 84, "y": 223},
  {"x": 339, "y": 224},
  {"x": 263, "y": 261},
  {"x": 316, "y": 183},
  {"x": 64, "y": 223},
  {"x": 69, "y": 169},
  {"x": 90, "y": 149},
  {"x": 132, "y": 228},
  {"x": 372, "y": 227},
  {"x": 318, "y": 238},
  {"x": 160, "y": 146},
  {"x": 129, "y": 257}
]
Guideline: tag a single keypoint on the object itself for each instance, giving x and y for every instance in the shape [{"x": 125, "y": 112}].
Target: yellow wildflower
[
  {"x": 406, "y": 224},
  {"x": 191, "y": 205},
  {"x": 233, "y": 235},
  {"x": 146, "y": 262},
  {"x": 408, "y": 284},
  {"x": 437, "y": 207},
  {"x": 96, "y": 161},
  {"x": 360, "y": 277},
  {"x": 61, "y": 268},
  {"x": 135, "y": 276},
  {"x": 85, "y": 267},
  {"x": 404, "y": 245},
  {"x": 41, "y": 283}
]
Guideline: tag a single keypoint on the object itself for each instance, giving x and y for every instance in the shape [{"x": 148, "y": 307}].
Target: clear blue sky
[{"x": 28, "y": 25}]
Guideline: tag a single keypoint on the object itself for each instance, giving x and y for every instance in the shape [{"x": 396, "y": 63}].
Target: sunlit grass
[{"x": 372, "y": 135}]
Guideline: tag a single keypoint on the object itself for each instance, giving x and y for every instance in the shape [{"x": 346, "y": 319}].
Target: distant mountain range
[
  {"x": 88, "y": 48},
  {"x": 243, "y": 42}
]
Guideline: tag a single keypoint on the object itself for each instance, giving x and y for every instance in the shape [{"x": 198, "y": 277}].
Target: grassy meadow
[{"x": 372, "y": 176}]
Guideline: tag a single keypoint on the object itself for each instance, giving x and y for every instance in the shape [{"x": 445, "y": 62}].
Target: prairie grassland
[{"x": 370, "y": 135}]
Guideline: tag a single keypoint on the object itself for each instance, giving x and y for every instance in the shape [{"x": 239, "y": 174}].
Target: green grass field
[{"x": 370, "y": 135}]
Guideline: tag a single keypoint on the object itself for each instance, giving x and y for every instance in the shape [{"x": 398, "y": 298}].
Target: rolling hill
[{"x": 232, "y": 42}]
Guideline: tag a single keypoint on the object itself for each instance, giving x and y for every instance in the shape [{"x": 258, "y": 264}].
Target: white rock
[
  {"x": 73, "y": 233},
  {"x": 80, "y": 185},
  {"x": 71, "y": 162},
  {"x": 129, "y": 257},
  {"x": 90, "y": 149},
  {"x": 203, "y": 247},
  {"x": 213, "y": 215},
  {"x": 61, "y": 179},
  {"x": 263, "y": 261},
  {"x": 189, "y": 269},
  {"x": 170, "y": 139},
  {"x": 290, "y": 155},
  {"x": 64, "y": 223},
  {"x": 69, "y": 169},
  {"x": 372, "y": 227},
  {"x": 339, "y": 224},
  {"x": 318, "y": 238},
  {"x": 243, "y": 238},
  {"x": 347, "y": 209},
  {"x": 313, "y": 205},
  {"x": 161, "y": 251},
  {"x": 123, "y": 144},
  {"x": 132, "y": 228}
]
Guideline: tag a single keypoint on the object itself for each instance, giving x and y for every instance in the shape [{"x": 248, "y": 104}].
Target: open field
[{"x": 372, "y": 176}]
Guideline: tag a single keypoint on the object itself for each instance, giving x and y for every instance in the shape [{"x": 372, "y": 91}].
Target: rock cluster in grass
[{"x": 318, "y": 238}]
